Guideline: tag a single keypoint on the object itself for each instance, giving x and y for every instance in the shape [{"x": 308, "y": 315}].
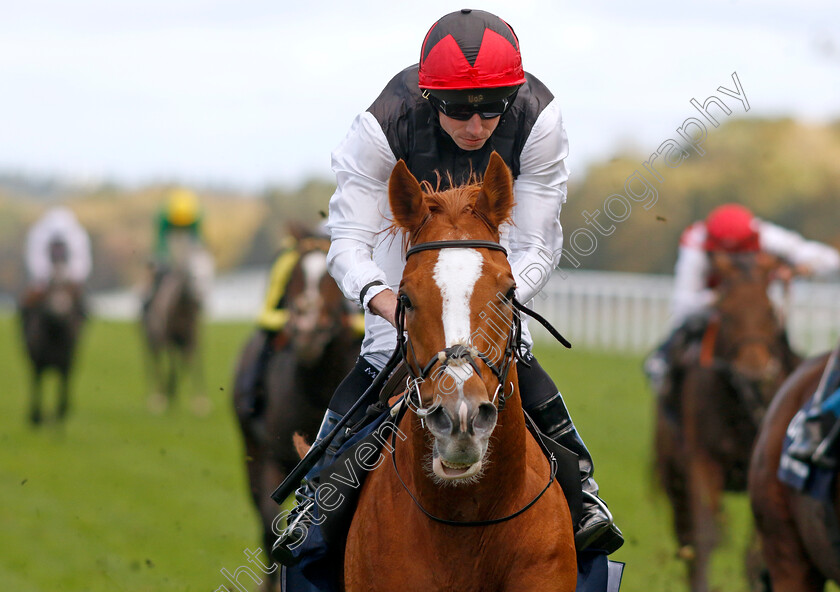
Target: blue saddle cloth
[{"x": 817, "y": 482}]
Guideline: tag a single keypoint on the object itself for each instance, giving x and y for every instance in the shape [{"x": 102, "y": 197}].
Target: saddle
[{"x": 810, "y": 479}]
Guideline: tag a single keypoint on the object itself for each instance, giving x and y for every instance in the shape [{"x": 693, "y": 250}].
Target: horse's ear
[
  {"x": 406, "y": 198},
  {"x": 298, "y": 231},
  {"x": 496, "y": 198}
]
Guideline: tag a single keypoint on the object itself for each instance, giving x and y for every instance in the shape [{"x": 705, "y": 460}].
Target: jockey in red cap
[
  {"x": 731, "y": 228},
  {"x": 466, "y": 98}
]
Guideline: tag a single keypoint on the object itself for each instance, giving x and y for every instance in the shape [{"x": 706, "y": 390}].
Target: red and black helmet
[
  {"x": 470, "y": 49},
  {"x": 732, "y": 228}
]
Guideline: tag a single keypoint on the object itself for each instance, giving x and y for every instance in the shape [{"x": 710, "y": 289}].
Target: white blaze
[
  {"x": 456, "y": 273},
  {"x": 314, "y": 266}
]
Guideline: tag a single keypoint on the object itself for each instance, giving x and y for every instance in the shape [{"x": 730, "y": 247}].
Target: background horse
[
  {"x": 51, "y": 319},
  {"x": 794, "y": 529},
  {"x": 170, "y": 322},
  {"x": 317, "y": 349},
  {"x": 706, "y": 425},
  {"x": 463, "y": 459}
]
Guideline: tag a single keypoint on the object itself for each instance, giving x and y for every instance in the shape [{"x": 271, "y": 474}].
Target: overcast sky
[{"x": 260, "y": 91}]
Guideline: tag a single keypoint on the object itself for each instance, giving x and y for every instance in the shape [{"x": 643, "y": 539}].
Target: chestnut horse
[
  {"x": 706, "y": 425},
  {"x": 793, "y": 527},
  {"x": 317, "y": 349},
  {"x": 445, "y": 512}
]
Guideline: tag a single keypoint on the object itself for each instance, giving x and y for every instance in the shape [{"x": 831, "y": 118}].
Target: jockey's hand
[
  {"x": 384, "y": 304},
  {"x": 786, "y": 273}
]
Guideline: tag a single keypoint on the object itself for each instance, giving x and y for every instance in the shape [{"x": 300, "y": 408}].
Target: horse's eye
[{"x": 405, "y": 301}]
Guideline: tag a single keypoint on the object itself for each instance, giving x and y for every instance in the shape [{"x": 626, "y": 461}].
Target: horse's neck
[
  {"x": 501, "y": 488},
  {"x": 332, "y": 360}
]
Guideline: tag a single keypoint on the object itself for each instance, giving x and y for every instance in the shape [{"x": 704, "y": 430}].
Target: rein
[
  {"x": 460, "y": 353},
  {"x": 464, "y": 354}
]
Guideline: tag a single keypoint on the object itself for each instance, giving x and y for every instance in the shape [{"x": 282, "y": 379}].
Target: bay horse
[
  {"x": 316, "y": 349},
  {"x": 706, "y": 425},
  {"x": 170, "y": 322},
  {"x": 52, "y": 318},
  {"x": 793, "y": 528},
  {"x": 450, "y": 509}
]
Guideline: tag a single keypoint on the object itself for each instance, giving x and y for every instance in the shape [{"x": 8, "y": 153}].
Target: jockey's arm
[
  {"x": 37, "y": 255},
  {"x": 384, "y": 304},
  {"x": 273, "y": 317},
  {"x": 691, "y": 291},
  {"x": 79, "y": 260},
  {"x": 807, "y": 257},
  {"x": 359, "y": 210},
  {"x": 536, "y": 237}
]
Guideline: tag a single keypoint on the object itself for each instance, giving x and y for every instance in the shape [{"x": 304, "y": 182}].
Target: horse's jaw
[
  {"x": 450, "y": 473},
  {"x": 460, "y": 430},
  {"x": 448, "y": 470}
]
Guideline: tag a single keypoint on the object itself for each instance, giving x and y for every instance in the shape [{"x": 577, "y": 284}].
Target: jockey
[
  {"x": 178, "y": 241},
  {"x": 181, "y": 215},
  {"x": 270, "y": 323},
  {"x": 731, "y": 228},
  {"x": 274, "y": 315},
  {"x": 468, "y": 97},
  {"x": 58, "y": 248}
]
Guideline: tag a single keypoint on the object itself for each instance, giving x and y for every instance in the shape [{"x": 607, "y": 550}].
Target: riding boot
[
  {"x": 596, "y": 529},
  {"x": 300, "y": 516}
]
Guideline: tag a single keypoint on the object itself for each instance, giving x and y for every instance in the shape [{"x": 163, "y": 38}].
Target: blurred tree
[{"x": 787, "y": 172}]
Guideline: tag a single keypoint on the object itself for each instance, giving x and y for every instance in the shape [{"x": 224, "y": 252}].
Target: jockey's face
[{"x": 471, "y": 134}]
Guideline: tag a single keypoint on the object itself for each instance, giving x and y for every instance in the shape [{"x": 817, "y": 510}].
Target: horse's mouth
[{"x": 450, "y": 471}]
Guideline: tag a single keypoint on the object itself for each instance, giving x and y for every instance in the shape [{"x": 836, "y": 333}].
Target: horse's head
[
  {"x": 750, "y": 336},
  {"x": 317, "y": 308},
  {"x": 456, "y": 309}
]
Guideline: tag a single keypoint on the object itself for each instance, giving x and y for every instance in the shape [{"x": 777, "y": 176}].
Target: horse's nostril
[
  {"x": 439, "y": 421},
  {"x": 485, "y": 418}
]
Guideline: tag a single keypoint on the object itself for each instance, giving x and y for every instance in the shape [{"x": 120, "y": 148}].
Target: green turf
[
  {"x": 121, "y": 499},
  {"x": 118, "y": 498}
]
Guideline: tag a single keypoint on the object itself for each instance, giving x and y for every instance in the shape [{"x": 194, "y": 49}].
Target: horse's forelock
[{"x": 450, "y": 205}]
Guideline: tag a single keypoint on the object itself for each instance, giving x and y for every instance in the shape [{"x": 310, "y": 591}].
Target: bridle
[
  {"x": 718, "y": 359},
  {"x": 461, "y": 354}
]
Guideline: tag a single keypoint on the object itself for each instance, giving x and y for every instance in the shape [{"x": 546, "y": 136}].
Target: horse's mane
[{"x": 450, "y": 204}]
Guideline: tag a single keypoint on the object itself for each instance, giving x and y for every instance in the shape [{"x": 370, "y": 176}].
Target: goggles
[{"x": 464, "y": 111}]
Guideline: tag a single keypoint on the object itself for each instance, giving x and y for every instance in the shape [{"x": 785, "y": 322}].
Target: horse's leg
[
  {"x": 670, "y": 466},
  {"x": 35, "y": 397},
  {"x": 788, "y": 564},
  {"x": 63, "y": 393},
  {"x": 705, "y": 486},
  {"x": 157, "y": 399},
  {"x": 171, "y": 387},
  {"x": 201, "y": 402},
  {"x": 199, "y": 387},
  {"x": 754, "y": 566},
  {"x": 271, "y": 475}
]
